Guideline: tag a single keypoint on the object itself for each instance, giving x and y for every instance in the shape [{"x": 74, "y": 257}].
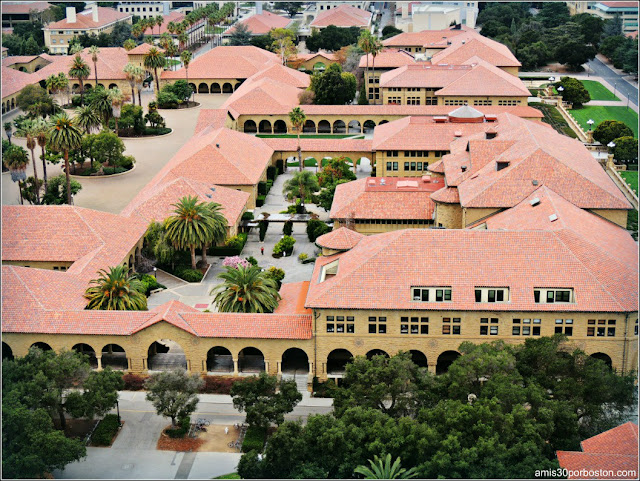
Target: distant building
[
  {"x": 20, "y": 12},
  {"x": 261, "y": 23},
  {"x": 343, "y": 16},
  {"x": 628, "y": 12},
  {"x": 145, "y": 9},
  {"x": 418, "y": 16}
]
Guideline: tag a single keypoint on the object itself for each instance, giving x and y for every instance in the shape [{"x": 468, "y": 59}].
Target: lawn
[
  {"x": 171, "y": 62},
  {"x": 601, "y": 113},
  {"x": 309, "y": 136},
  {"x": 598, "y": 91},
  {"x": 631, "y": 178},
  {"x": 229, "y": 476}
]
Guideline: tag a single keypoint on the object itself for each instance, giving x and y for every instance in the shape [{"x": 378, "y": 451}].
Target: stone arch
[
  {"x": 13, "y": 104},
  {"x": 99, "y": 85},
  {"x": 203, "y": 88},
  {"x": 324, "y": 127},
  {"x": 237, "y": 86},
  {"x": 215, "y": 88},
  {"x": 87, "y": 86},
  {"x": 445, "y": 360},
  {"x": 265, "y": 127},
  {"x": 227, "y": 88},
  {"x": 604, "y": 358},
  {"x": 219, "y": 359},
  {"x": 418, "y": 358},
  {"x": 294, "y": 361},
  {"x": 355, "y": 127},
  {"x": 193, "y": 87},
  {"x": 309, "y": 127},
  {"x": 250, "y": 127},
  {"x": 339, "y": 127},
  {"x": 251, "y": 359},
  {"x": 165, "y": 355},
  {"x": 115, "y": 357},
  {"x": 88, "y": 351},
  {"x": 42, "y": 346},
  {"x": 113, "y": 86},
  {"x": 7, "y": 352},
  {"x": 377, "y": 352},
  {"x": 337, "y": 361},
  {"x": 75, "y": 88},
  {"x": 319, "y": 66},
  {"x": 279, "y": 127},
  {"x": 383, "y": 122},
  {"x": 368, "y": 126}
]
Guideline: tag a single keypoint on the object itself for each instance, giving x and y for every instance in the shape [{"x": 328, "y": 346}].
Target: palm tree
[
  {"x": 63, "y": 85},
  {"x": 128, "y": 74},
  {"x": 8, "y": 129},
  {"x": 298, "y": 118},
  {"x": 365, "y": 41},
  {"x": 155, "y": 60},
  {"x": 75, "y": 48},
  {"x": 171, "y": 28},
  {"x": 185, "y": 57},
  {"x": 385, "y": 470},
  {"x": 116, "y": 290},
  {"x": 101, "y": 104},
  {"x": 219, "y": 227},
  {"x": 246, "y": 289},
  {"x": 16, "y": 160},
  {"x": 52, "y": 83},
  {"x": 64, "y": 136},
  {"x": 159, "y": 22},
  {"x": 136, "y": 30},
  {"x": 182, "y": 39},
  {"x": 80, "y": 70},
  {"x": 30, "y": 131},
  {"x": 87, "y": 119},
  {"x": 129, "y": 44},
  {"x": 139, "y": 75},
  {"x": 191, "y": 226},
  {"x": 42, "y": 131},
  {"x": 301, "y": 185},
  {"x": 376, "y": 48},
  {"x": 94, "y": 51},
  {"x": 117, "y": 99}
]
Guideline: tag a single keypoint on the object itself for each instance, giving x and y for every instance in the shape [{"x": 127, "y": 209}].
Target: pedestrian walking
[
  {"x": 226, "y": 430},
  {"x": 262, "y": 250}
]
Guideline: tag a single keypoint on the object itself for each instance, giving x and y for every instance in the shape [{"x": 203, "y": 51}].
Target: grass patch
[
  {"x": 555, "y": 119},
  {"x": 229, "y": 476},
  {"x": 254, "y": 439},
  {"x": 309, "y": 136},
  {"x": 600, "y": 113},
  {"x": 216, "y": 30},
  {"x": 598, "y": 91},
  {"x": 171, "y": 62},
  {"x": 630, "y": 178}
]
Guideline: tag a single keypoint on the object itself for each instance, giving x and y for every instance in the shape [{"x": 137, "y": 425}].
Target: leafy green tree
[
  {"x": 591, "y": 27},
  {"x": 79, "y": 70},
  {"x": 129, "y": 44},
  {"x": 325, "y": 198},
  {"x": 553, "y": 14},
  {"x": 571, "y": 47},
  {"x": 297, "y": 118},
  {"x": 64, "y": 136},
  {"x": 390, "y": 31},
  {"x": 246, "y": 289},
  {"x": 332, "y": 38},
  {"x": 116, "y": 289},
  {"x": 31, "y": 47},
  {"x": 154, "y": 59},
  {"x": 626, "y": 149},
  {"x": 56, "y": 190},
  {"x": 264, "y": 399},
  {"x": 107, "y": 148},
  {"x": 283, "y": 43},
  {"x": 333, "y": 86},
  {"x": 87, "y": 119},
  {"x": 574, "y": 91},
  {"x": 301, "y": 186},
  {"x": 383, "y": 469},
  {"x": 612, "y": 26},
  {"x": 534, "y": 55},
  {"x": 292, "y": 8},
  {"x": 174, "y": 394},
  {"x": 15, "y": 159},
  {"x": 241, "y": 35},
  {"x": 261, "y": 41},
  {"x": 31, "y": 96},
  {"x": 608, "y": 130},
  {"x": 334, "y": 170}
]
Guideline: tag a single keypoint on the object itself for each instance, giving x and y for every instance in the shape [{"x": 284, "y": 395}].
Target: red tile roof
[
  {"x": 280, "y": 73},
  {"x": 308, "y": 56},
  {"x": 426, "y": 38},
  {"x": 543, "y": 258},
  {"x": 622, "y": 439},
  {"x": 341, "y": 239},
  {"x": 632, "y": 34},
  {"x": 263, "y": 23},
  {"x": 322, "y": 145},
  {"x": 620, "y": 4},
  {"x": 111, "y": 61},
  {"x": 14, "y": 80},
  {"x": 143, "y": 49},
  {"x": 263, "y": 96},
  {"x": 24, "y": 7},
  {"x": 14, "y": 59},
  {"x": 251, "y": 326},
  {"x": 175, "y": 17},
  {"x": 84, "y": 19},
  {"x": 293, "y": 296},
  {"x": 214, "y": 118},
  {"x": 342, "y": 16},
  {"x": 472, "y": 45},
  {"x": 388, "y": 58}
]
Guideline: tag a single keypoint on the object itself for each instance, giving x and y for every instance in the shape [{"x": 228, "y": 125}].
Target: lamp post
[
  {"x": 590, "y": 123},
  {"x": 155, "y": 270},
  {"x": 118, "y": 410},
  {"x": 614, "y": 88},
  {"x": 551, "y": 80}
]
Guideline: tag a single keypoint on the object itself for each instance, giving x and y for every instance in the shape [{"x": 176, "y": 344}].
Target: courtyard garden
[
  {"x": 600, "y": 113},
  {"x": 597, "y": 91}
]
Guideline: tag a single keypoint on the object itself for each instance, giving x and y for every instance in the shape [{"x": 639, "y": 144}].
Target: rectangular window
[
  {"x": 494, "y": 330},
  {"x": 591, "y": 331},
  {"x": 439, "y": 295},
  {"x": 492, "y": 295},
  {"x": 484, "y": 330},
  {"x": 611, "y": 331},
  {"x": 515, "y": 330},
  {"x": 550, "y": 297},
  {"x": 500, "y": 295},
  {"x": 389, "y": 164},
  {"x": 526, "y": 330},
  {"x": 406, "y": 166},
  {"x": 536, "y": 296},
  {"x": 395, "y": 166},
  {"x": 447, "y": 294},
  {"x": 478, "y": 295},
  {"x": 536, "y": 330}
]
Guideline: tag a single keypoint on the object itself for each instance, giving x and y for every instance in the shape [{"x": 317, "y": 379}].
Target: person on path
[{"x": 262, "y": 250}]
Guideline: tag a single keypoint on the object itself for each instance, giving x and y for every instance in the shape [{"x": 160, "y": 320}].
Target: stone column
[
  {"x": 590, "y": 136},
  {"x": 128, "y": 364},
  {"x": 431, "y": 368},
  {"x": 266, "y": 366},
  {"x": 99, "y": 359},
  {"x": 235, "y": 367}
]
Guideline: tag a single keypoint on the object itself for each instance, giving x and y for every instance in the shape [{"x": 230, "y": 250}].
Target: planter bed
[
  {"x": 149, "y": 132},
  {"x": 188, "y": 105}
]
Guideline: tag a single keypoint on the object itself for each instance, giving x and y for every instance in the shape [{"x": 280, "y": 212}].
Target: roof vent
[
  {"x": 372, "y": 181},
  {"x": 553, "y": 217},
  {"x": 501, "y": 165},
  {"x": 213, "y": 189},
  {"x": 209, "y": 195},
  {"x": 382, "y": 181},
  {"x": 218, "y": 145},
  {"x": 490, "y": 134},
  {"x": 463, "y": 168},
  {"x": 463, "y": 42},
  {"x": 534, "y": 182},
  {"x": 457, "y": 133},
  {"x": 426, "y": 179},
  {"x": 534, "y": 202}
]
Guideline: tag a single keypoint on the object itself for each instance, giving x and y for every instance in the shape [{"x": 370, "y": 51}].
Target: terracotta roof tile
[
  {"x": 323, "y": 145},
  {"x": 111, "y": 62},
  {"x": 24, "y": 7},
  {"x": 143, "y": 49},
  {"x": 341, "y": 239},
  {"x": 293, "y": 294},
  {"x": 14, "y": 80},
  {"x": 263, "y": 23},
  {"x": 174, "y": 17},
  {"x": 84, "y": 19},
  {"x": 214, "y": 118},
  {"x": 426, "y": 38},
  {"x": 14, "y": 59},
  {"x": 263, "y": 96},
  {"x": 308, "y": 56},
  {"x": 388, "y": 58},
  {"x": 280, "y": 73},
  {"x": 342, "y": 16},
  {"x": 469, "y": 45}
]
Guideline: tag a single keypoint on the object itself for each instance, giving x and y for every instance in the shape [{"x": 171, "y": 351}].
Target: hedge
[
  {"x": 134, "y": 382},
  {"x": 262, "y": 188},
  {"x": 260, "y": 200},
  {"x": 105, "y": 431},
  {"x": 225, "y": 251},
  {"x": 254, "y": 439},
  {"x": 188, "y": 274},
  {"x": 272, "y": 172},
  {"x": 247, "y": 216},
  {"x": 218, "y": 384}
]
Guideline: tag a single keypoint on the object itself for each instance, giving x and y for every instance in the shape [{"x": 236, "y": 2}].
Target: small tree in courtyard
[{"x": 174, "y": 394}]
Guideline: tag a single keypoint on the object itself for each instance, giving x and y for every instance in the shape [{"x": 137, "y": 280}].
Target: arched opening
[
  {"x": 165, "y": 355},
  {"x": 99, "y": 85},
  {"x": 445, "y": 360},
  {"x": 193, "y": 87},
  {"x": 383, "y": 122},
  {"x": 113, "y": 86},
  {"x": 309, "y": 127},
  {"x": 219, "y": 359},
  {"x": 279, "y": 127},
  {"x": 376, "y": 352},
  {"x": 227, "y": 88},
  {"x": 604, "y": 358},
  {"x": 339, "y": 127},
  {"x": 250, "y": 359},
  {"x": 265, "y": 127},
  {"x": 355, "y": 127},
  {"x": 319, "y": 66},
  {"x": 38, "y": 67},
  {"x": 324, "y": 127},
  {"x": 87, "y": 87},
  {"x": 22, "y": 69},
  {"x": 43, "y": 346},
  {"x": 250, "y": 127},
  {"x": 88, "y": 351},
  {"x": 369, "y": 125},
  {"x": 115, "y": 357},
  {"x": 418, "y": 358},
  {"x": 236, "y": 86},
  {"x": 7, "y": 352},
  {"x": 75, "y": 88},
  {"x": 337, "y": 361},
  {"x": 215, "y": 88},
  {"x": 13, "y": 104},
  {"x": 203, "y": 88},
  {"x": 294, "y": 361}
]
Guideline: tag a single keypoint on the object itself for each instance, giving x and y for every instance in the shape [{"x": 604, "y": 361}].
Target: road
[
  {"x": 387, "y": 16},
  {"x": 600, "y": 69}
]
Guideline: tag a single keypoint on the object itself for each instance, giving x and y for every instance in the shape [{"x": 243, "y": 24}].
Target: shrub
[
  {"x": 316, "y": 228},
  {"x": 188, "y": 274},
  {"x": 280, "y": 166},
  {"x": 114, "y": 170},
  {"x": 269, "y": 185},
  {"x": 150, "y": 283},
  {"x": 167, "y": 100},
  {"x": 287, "y": 229},
  {"x": 254, "y": 439},
  {"x": 218, "y": 384},
  {"x": 299, "y": 207},
  {"x": 235, "y": 242},
  {"x": 76, "y": 101},
  {"x": 105, "y": 431},
  {"x": 609, "y": 130},
  {"x": 260, "y": 200},
  {"x": 154, "y": 119},
  {"x": 131, "y": 118},
  {"x": 252, "y": 260},
  {"x": 324, "y": 389},
  {"x": 263, "y": 225},
  {"x": 134, "y": 382},
  {"x": 277, "y": 274},
  {"x": 247, "y": 216},
  {"x": 302, "y": 257},
  {"x": 126, "y": 162},
  {"x": 284, "y": 245},
  {"x": 235, "y": 261},
  {"x": 262, "y": 188},
  {"x": 183, "y": 428},
  {"x": 157, "y": 131},
  {"x": 272, "y": 172}
]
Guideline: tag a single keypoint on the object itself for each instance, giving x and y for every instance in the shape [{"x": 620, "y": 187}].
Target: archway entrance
[
  {"x": 445, "y": 360},
  {"x": 418, "y": 358},
  {"x": 89, "y": 352},
  {"x": 376, "y": 352},
  {"x": 369, "y": 125},
  {"x": 250, "y": 127},
  {"x": 294, "y": 361},
  {"x": 279, "y": 127},
  {"x": 203, "y": 88},
  {"x": 43, "y": 346},
  {"x": 251, "y": 359},
  {"x": 7, "y": 352},
  {"x": 165, "y": 355},
  {"x": 309, "y": 127},
  {"x": 324, "y": 127},
  {"x": 115, "y": 357},
  {"x": 264, "y": 127},
  {"x": 355, "y": 127},
  {"x": 227, "y": 88},
  {"x": 337, "y": 361},
  {"x": 339, "y": 127},
  {"x": 604, "y": 358},
  {"x": 219, "y": 359},
  {"x": 215, "y": 88}
]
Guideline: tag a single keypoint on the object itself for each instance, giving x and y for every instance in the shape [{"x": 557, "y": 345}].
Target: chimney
[
  {"x": 94, "y": 12},
  {"x": 258, "y": 8},
  {"x": 165, "y": 8},
  {"x": 71, "y": 14},
  {"x": 405, "y": 9}
]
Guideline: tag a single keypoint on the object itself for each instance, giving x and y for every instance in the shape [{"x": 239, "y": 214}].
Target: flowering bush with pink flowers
[{"x": 235, "y": 262}]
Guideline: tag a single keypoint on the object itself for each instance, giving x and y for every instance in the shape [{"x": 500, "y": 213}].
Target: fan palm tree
[
  {"x": 28, "y": 130},
  {"x": 182, "y": 39},
  {"x": 159, "y": 21},
  {"x": 301, "y": 185},
  {"x": 136, "y": 30},
  {"x": 246, "y": 289},
  {"x": 87, "y": 119},
  {"x": 129, "y": 44},
  {"x": 139, "y": 75},
  {"x": 171, "y": 28},
  {"x": 298, "y": 118},
  {"x": 63, "y": 85},
  {"x": 64, "y": 136},
  {"x": 191, "y": 226},
  {"x": 376, "y": 48},
  {"x": 94, "y": 51},
  {"x": 116, "y": 290},
  {"x": 185, "y": 57},
  {"x": 155, "y": 60},
  {"x": 80, "y": 70},
  {"x": 365, "y": 41},
  {"x": 131, "y": 78},
  {"x": 52, "y": 83},
  {"x": 42, "y": 132},
  {"x": 117, "y": 98},
  {"x": 16, "y": 160},
  {"x": 75, "y": 48},
  {"x": 219, "y": 227},
  {"x": 8, "y": 129},
  {"x": 385, "y": 470},
  {"x": 101, "y": 104}
]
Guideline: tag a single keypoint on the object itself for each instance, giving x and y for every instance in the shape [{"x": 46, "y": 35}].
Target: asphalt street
[{"x": 600, "y": 69}]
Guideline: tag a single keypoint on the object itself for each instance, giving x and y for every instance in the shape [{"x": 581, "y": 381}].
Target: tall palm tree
[
  {"x": 365, "y": 42},
  {"x": 182, "y": 39},
  {"x": 42, "y": 132},
  {"x": 376, "y": 48},
  {"x": 190, "y": 226},
  {"x": 63, "y": 85},
  {"x": 16, "y": 160},
  {"x": 117, "y": 98},
  {"x": 64, "y": 136},
  {"x": 28, "y": 130},
  {"x": 101, "y": 104},
  {"x": 137, "y": 30},
  {"x": 80, "y": 70},
  {"x": 94, "y": 51},
  {"x": 185, "y": 57},
  {"x": 116, "y": 290},
  {"x": 171, "y": 28},
  {"x": 155, "y": 60},
  {"x": 52, "y": 83},
  {"x": 298, "y": 118},
  {"x": 75, "y": 48},
  {"x": 87, "y": 119},
  {"x": 139, "y": 75},
  {"x": 128, "y": 74},
  {"x": 385, "y": 470},
  {"x": 129, "y": 44},
  {"x": 301, "y": 185},
  {"x": 8, "y": 129},
  {"x": 246, "y": 289},
  {"x": 159, "y": 21},
  {"x": 218, "y": 226}
]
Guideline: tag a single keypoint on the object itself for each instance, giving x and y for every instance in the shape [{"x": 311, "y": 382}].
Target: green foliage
[
  {"x": 257, "y": 397},
  {"x": 131, "y": 119},
  {"x": 383, "y": 469},
  {"x": 325, "y": 198},
  {"x": 301, "y": 185},
  {"x": 333, "y": 86},
  {"x": 287, "y": 228},
  {"x": 189, "y": 275},
  {"x": 252, "y": 260},
  {"x": 105, "y": 431},
  {"x": 316, "y": 228},
  {"x": 302, "y": 257},
  {"x": 241, "y": 35},
  {"x": 154, "y": 119},
  {"x": 107, "y": 148},
  {"x": 246, "y": 289},
  {"x": 290, "y": 7},
  {"x": 609, "y": 130},
  {"x": 334, "y": 170},
  {"x": 332, "y": 38},
  {"x": 284, "y": 245},
  {"x": 235, "y": 242},
  {"x": 247, "y": 216},
  {"x": 574, "y": 91},
  {"x": 362, "y": 97},
  {"x": 263, "y": 225},
  {"x": 167, "y": 100},
  {"x": 272, "y": 172},
  {"x": 275, "y": 273},
  {"x": 254, "y": 439},
  {"x": 116, "y": 289},
  {"x": 56, "y": 192},
  {"x": 390, "y": 31},
  {"x": 184, "y": 423},
  {"x": 174, "y": 394},
  {"x": 626, "y": 149},
  {"x": 35, "y": 100},
  {"x": 149, "y": 283},
  {"x": 180, "y": 88}
]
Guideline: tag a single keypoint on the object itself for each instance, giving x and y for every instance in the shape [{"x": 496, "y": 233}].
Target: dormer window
[
  {"x": 501, "y": 165},
  {"x": 431, "y": 294},
  {"x": 329, "y": 270},
  {"x": 553, "y": 296},
  {"x": 492, "y": 294}
]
